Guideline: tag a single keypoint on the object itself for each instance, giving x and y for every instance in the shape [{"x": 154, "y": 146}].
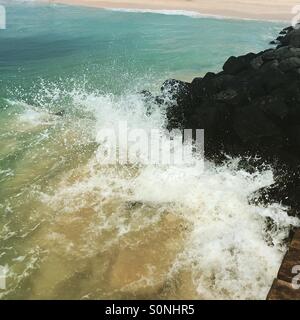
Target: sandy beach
[{"x": 251, "y": 9}]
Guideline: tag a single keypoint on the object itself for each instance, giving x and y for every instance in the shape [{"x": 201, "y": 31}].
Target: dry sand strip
[{"x": 246, "y": 9}]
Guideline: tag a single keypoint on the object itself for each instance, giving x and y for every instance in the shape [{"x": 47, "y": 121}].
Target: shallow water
[{"x": 71, "y": 227}]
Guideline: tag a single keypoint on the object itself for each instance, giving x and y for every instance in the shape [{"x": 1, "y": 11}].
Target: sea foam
[
  {"x": 187, "y": 13},
  {"x": 227, "y": 245}
]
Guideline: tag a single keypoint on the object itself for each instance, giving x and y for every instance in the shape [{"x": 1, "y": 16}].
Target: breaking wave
[{"x": 126, "y": 231}]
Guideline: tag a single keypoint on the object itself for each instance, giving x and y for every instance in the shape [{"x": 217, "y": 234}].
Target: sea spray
[
  {"x": 71, "y": 227},
  {"x": 204, "y": 232}
]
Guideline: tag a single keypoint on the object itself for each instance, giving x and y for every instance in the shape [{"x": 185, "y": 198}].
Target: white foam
[
  {"x": 187, "y": 13},
  {"x": 29, "y": 115},
  {"x": 229, "y": 250}
]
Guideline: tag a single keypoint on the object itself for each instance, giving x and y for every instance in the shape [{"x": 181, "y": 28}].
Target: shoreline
[{"x": 263, "y": 10}]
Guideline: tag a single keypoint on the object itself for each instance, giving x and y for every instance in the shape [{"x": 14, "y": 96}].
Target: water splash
[{"x": 132, "y": 231}]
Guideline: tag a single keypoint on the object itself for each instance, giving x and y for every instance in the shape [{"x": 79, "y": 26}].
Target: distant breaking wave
[
  {"x": 187, "y": 13},
  {"x": 174, "y": 12},
  {"x": 192, "y": 14}
]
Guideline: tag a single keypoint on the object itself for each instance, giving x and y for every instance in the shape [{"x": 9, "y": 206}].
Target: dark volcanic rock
[
  {"x": 60, "y": 113},
  {"x": 292, "y": 38},
  {"x": 149, "y": 100},
  {"x": 274, "y": 107},
  {"x": 235, "y": 65},
  {"x": 286, "y": 191},
  {"x": 252, "y": 107},
  {"x": 289, "y": 64},
  {"x": 251, "y": 124},
  {"x": 175, "y": 90},
  {"x": 275, "y": 42},
  {"x": 252, "y": 101}
]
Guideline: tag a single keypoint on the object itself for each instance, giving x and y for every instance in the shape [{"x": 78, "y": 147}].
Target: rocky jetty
[{"x": 251, "y": 108}]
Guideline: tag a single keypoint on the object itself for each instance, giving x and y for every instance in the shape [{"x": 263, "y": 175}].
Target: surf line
[{"x": 129, "y": 311}]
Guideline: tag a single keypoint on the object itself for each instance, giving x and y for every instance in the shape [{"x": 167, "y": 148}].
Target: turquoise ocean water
[
  {"x": 73, "y": 228},
  {"x": 113, "y": 50}
]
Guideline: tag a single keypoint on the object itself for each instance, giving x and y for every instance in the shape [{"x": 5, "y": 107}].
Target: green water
[
  {"x": 109, "y": 48},
  {"x": 73, "y": 228}
]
